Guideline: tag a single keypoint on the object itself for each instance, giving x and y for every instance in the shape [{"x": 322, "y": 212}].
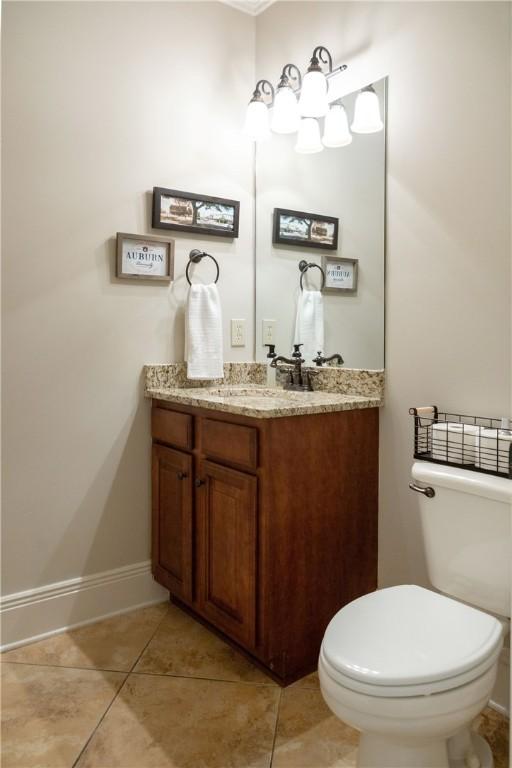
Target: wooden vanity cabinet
[{"x": 264, "y": 528}]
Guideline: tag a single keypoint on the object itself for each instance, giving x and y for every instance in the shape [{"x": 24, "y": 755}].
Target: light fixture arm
[
  {"x": 263, "y": 88},
  {"x": 321, "y": 54},
  {"x": 335, "y": 71},
  {"x": 290, "y": 72}
]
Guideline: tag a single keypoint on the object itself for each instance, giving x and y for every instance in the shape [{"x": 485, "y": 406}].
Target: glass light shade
[
  {"x": 257, "y": 123},
  {"x": 367, "y": 117},
  {"x": 336, "y": 132},
  {"x": 285, "y": 117},
  {"x": 313, "y": 95},
  {"x": 308, "y": 139}
]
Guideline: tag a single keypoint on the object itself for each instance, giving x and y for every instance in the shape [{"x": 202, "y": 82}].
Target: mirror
[{"x": 347, "y": 184}]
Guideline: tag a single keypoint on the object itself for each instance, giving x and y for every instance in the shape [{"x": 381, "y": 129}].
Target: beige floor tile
[
  {"x": 309, "y": 681},
  {"x": 183, "y": 647},
  {"x": 495, "y": 728},
  {"x": 309, "y": 735},
  {"x": 49, "y": 713},
  {"x": 112, "y": 644},
  {"x": 168, "y": 722}
]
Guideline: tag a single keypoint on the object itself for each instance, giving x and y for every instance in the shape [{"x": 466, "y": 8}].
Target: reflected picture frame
[
  {"x": 341, "y": 275},
  {"x": 307, "y": 230}
]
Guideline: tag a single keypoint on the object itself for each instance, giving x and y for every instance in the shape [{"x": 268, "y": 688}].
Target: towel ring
[
  {"x": 195, "y": 257},
  {"x": 304, "y": 266}
]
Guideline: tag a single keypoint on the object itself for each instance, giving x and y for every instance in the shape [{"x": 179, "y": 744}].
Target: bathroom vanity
[{"x": 265, "y": 525}]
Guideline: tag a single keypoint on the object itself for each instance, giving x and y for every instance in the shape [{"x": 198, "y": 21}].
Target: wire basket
[{"x": 478, "y": 443}]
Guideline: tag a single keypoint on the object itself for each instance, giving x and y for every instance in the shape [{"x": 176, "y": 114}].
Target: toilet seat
[
  {"x": 408, "y": 641},
  {"x": 407, "y": 691}
]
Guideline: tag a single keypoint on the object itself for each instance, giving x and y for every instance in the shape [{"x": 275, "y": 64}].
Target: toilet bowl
[{"x": 410, "y": 669}]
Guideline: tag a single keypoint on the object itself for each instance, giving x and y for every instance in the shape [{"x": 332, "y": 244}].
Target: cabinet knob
[
  {"x": 198, "y": 482},
  {"x": 181, "y": 475}
]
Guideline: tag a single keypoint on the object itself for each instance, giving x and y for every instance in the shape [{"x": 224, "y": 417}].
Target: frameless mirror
[{"x": 302, "y": 202}]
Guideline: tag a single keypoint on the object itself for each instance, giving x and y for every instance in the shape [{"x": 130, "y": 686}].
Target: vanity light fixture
[
  {"x": 313, "y": 96},
  {"x": 286, "y": 117},
  {"x": 289, "y": 115},
  {"x": 257, "y": 121},
  {"x": 308, "y": 138},
  {"x": 367, "y": 117},
  {"x": 336, "y": 130}
]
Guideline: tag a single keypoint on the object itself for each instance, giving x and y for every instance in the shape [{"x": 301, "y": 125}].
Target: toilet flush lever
[{"x": 428, "y": 491}]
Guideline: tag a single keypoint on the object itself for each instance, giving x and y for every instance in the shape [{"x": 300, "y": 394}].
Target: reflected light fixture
[
  {"x": 257, "y": 121},
  {"x": 313, "y": 96},
  {"x": 286, "y": 117},
  {"x": 308, "y": 138},
  {"x": 367, "y": 117},
  {"x": 336, "y": 130}
]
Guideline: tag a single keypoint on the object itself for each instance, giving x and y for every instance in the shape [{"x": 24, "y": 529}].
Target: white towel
[
  {"x": 309, "y": 324},
  {"x": 203, "y": 332},
  {"x": 493, "y": 450}
]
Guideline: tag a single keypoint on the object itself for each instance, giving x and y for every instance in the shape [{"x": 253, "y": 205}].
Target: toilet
[{"x": 411, "y": 668}]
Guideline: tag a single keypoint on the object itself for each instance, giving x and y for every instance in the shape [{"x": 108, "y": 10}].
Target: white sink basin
[{"x": 269, "y": 393}]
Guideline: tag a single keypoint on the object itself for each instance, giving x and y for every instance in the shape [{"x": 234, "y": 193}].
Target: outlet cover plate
[{"x": 237, "y": 333}]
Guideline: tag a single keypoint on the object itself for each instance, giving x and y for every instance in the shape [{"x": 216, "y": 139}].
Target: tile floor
[{"x": 155, "y": 689}]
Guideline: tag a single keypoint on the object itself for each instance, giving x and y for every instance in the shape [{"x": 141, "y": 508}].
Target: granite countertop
[
  {"x": 262, "y": 402},
  {"x": 244, "y": 391}
]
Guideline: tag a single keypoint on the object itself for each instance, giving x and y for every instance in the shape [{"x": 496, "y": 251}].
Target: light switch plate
[
  {"x": 268, "y": 332},
  {"x": 238, "y": 333}
]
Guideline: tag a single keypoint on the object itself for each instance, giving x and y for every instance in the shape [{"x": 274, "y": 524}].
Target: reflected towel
[
  {"x": 203, "y": 333},
  {"x": 309, "y": 324}
]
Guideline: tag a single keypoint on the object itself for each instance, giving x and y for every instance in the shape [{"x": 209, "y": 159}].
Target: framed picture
[
  {"x": 340, "y": 275},
  {"x": 144, "y": 257},
  {"x": 310, "y": 230},
  {"x": 195, "y": 213}
]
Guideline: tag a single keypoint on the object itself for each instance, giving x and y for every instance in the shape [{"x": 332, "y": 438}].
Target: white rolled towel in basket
[
  {"x": 492, "y": 449},
  {"x": 454, "y": 442}
]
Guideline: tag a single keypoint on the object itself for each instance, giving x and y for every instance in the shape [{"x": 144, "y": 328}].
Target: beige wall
[
  {"x": 102, "y": 101},
  {"x": 448, "y": 214}
]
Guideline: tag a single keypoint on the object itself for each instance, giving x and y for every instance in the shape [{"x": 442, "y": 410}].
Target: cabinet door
[
  {"x": 172, "y": 521},
  {"x": 227, "y": 507}
]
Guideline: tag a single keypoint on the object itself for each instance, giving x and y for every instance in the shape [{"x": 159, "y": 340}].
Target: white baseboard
[
  {"x": 38, "y": 613},
  {"x": 498, "y": 708},
  {"x": 500, "y": 699}
]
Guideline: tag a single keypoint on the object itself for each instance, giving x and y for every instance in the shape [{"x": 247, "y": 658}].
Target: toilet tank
[{"x": 467, "y": 534}]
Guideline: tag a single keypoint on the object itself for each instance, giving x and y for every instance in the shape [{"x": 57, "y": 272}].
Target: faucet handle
[
  {"x": 271, "y": 350},
  {"x": 319, "y": 359}
]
